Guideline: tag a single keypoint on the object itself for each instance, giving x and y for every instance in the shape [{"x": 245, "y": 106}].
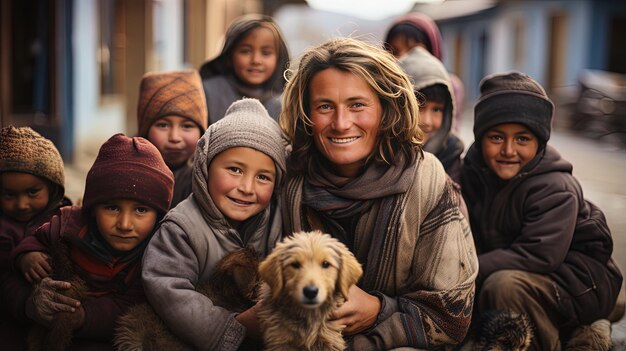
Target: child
[
  {"x": 251, "y": 64},
  {"x": 432, "y": 86},
  {"x": 238, "y": 167},
  {"x": 543, "y": 249},
  {"x": 32, "y": 186},
  {"x": 172, "y": 114},
  {"x": 128, "y": 189},
  {"x": 31, "y": 192},
  {"x": 417, "y": 29}
]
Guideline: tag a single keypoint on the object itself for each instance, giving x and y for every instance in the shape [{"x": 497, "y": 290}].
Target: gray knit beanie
[
  {"x": 513, "y": 98},
  {"x": 24, "y": 150},
  {"x": 245, "y": 124}
]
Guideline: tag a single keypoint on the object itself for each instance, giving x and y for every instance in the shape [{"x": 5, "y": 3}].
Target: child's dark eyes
[
  {"x": 161, "y": 125},
  {"x": 264, "y": 178},
  {"x": 112, "y": 208},
  {"x": 235, "y": 170},
  {"x": 188, "y": 126},
  {"x": 34, "y": 192},
  {"x": 7, "y": 195},
  {"x": 495, "y": 137},
  {"x": 143, "y": 210}
]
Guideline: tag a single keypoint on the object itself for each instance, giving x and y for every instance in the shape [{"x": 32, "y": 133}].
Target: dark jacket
[
  {"x": 539, "y": 222},
  {"x": 113, "y": 283}
]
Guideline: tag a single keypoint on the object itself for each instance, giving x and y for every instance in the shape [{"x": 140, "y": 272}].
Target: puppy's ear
[
  {"x": 349, "y": 273},
  {"x": 271, "y": 272}
]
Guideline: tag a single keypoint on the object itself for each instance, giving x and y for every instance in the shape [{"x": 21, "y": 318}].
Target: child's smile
[
  {"x": 507, "y": 148},
  {"x": 241, "y": 183}
]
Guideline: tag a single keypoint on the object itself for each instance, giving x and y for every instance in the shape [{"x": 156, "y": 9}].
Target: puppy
[
  {"x": 500, "y": 331},
  {"x": 305, "y": 278},
  {"x": 233, "y": 285},
  {"x": 596, "y": 336}
]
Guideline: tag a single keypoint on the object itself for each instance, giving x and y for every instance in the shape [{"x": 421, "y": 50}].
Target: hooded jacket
[
  {"x": 425, "y": 70},
  {"x": 539, "y": 222},
  {"x": 195, "y": 235}
]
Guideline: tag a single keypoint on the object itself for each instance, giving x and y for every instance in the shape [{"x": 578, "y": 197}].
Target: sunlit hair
[{"x": 399, "y": 130}]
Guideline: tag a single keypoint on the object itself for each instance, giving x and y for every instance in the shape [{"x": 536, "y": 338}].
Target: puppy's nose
[{"x": 310, "y": 291}]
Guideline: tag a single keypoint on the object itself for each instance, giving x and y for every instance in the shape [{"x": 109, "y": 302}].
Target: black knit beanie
[{"x": 513, "y": 98}]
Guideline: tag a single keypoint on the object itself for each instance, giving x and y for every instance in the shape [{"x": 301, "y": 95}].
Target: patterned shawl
[{"x": 413, "y": 242}]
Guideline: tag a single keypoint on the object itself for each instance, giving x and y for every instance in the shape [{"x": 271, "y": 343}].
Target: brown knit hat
[
  {"x": 24, "y": 150},
  {"x": 177, "y": 93},
  {"x": 513, "y": 98},
  {"x": 129, "y": 168}
]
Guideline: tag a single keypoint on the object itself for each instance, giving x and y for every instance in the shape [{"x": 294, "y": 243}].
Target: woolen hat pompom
[
  {"x": 245, "y": 124},
  {"x": 24, "y": 150},
  {"x": 513, "y": 98},
  {"x": 129, "y": 168},
  {"x": 178, "y": 93}
]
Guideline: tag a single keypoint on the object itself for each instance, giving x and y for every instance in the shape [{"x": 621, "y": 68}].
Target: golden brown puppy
[{"x": 305, "y": 278}]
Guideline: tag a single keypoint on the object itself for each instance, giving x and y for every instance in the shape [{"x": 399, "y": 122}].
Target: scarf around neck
[{"x": 340, "y": 199}]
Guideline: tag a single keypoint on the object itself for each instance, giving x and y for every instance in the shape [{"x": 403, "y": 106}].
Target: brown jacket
[{"x": 540, "y": 222}]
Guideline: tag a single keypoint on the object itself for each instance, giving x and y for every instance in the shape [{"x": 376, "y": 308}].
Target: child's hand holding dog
[
  {"x": 35, "y": 266},
  {"x": 359, "y": 312},
  {"x": 46, "y": 301}
]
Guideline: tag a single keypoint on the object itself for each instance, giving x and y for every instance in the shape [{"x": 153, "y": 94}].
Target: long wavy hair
[{"x": 399, "y": 130}]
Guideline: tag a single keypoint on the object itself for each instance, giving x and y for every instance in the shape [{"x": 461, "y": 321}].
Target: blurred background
[{"x": 71, "y": 69}]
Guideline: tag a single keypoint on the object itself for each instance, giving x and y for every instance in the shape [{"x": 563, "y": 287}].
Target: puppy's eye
[
  {"x": 325, "y": 264},
  {"x": 295, "y": 265}
]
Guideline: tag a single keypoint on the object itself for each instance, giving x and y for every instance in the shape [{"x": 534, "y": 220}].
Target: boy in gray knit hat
[
  {"x": 239, "y": 166},
  {"x": 543, "y": 249}
]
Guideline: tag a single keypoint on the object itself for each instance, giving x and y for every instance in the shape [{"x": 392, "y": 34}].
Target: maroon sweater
[{"x": 113, "y": 281}]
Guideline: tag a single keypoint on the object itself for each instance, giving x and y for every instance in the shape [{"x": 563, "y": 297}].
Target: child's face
[
  {"x": 400, "y": 45},
  {"x": 507, "y": 148},
  {"x": 23, "y": 196},
  {"x": 175, "y": 137},
  {"x": 255, "y": 57},
  {"x": 124, "y": 223},
  {"x": 431, "y": 118},
  {"x": 241, "y": 182}
]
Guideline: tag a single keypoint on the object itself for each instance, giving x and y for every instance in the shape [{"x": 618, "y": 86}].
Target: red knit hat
[{"x": 129, "y": 168}]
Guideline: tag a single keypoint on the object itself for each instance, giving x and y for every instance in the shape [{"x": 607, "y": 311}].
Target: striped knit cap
[
  {"x": 246, "y": 124},
  {"x": 178, "y": 93},
  {"x": 24, "y": 150}
]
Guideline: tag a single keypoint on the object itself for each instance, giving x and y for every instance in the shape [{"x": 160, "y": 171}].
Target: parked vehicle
[{"x": 600, "y": 111}]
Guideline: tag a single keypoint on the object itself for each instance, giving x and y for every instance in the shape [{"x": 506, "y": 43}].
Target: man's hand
[{"x": 358, "y": 313}]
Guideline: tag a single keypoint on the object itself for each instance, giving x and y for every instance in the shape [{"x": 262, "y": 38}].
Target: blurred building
[
  {"x": 71, "y": 68},
  {"x": 551, "y": 40}
]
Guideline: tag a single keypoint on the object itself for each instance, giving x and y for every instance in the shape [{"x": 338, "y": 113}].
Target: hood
[
  {"x": 426, "y": 25},
  {"x": 426, "y": 70}
]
